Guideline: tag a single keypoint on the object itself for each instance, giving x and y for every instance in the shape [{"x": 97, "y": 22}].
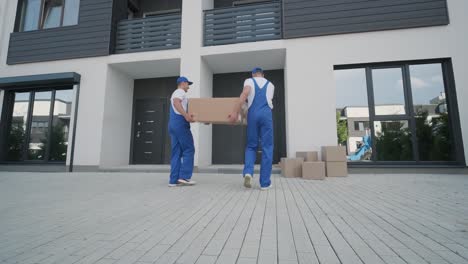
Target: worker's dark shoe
[{"x": 248, "y": 181}]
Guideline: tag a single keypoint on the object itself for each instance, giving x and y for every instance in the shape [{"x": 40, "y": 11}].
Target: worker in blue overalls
[
  {"x": 258, "y": 92},
  {"x": 183, "y": 150}
]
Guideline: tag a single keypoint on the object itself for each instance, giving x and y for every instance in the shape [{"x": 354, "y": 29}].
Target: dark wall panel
[
  {"x": 306, "y": 18},
  {"x": 222, "y": 3},
  {"x": 160, "y": 5},
  {"x": 91, "y": 37}
]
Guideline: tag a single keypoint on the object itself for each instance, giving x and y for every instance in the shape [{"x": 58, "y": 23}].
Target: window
[
  {"x": 352, "y": 107},
  {"x": 400, "y": 112},
  {"x": 43, "y": 14},
  {"x": 39, "y": 126},
  {"x": 361, "y": 125}
]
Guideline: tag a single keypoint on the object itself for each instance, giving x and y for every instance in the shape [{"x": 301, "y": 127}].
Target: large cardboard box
[
  {"x": 334, "y": 153},
  {"x": 214, "y": 110},
  {"x": 291, "y": 167},
  {"x": 307, "y": 155},
  {"x": 314, "y": 170},
  {"x": 337, "y": 168}
]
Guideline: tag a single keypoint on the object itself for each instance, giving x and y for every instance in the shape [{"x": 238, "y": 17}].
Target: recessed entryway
[
  {"x": 150, "y": 140},
  {"x": 229, "y": 141}
]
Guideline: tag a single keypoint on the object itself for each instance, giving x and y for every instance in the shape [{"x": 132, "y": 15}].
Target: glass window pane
[
  {"x": 38, "y": 137},
  {"x": 60, "y": 125},
  {"x": 389, "y": 97},
  {"x": 52, "y": 13},
  {"x": 393, "y": 141},
  {"x": 430, "y": 110},
  {"x": 70, "y": 16},
  {"x": 30, "y": 15},
  {"x": 352, "y": 108},
  {"x": 17, "y": 134}
]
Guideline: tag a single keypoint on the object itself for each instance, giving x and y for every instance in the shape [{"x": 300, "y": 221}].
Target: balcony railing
[
  {"x": 150, "y": 33},
  {"x": 249, "y": 23}
]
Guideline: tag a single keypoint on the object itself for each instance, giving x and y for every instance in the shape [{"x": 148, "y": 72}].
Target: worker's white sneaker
[
  {"x": 267, "y": 187},
  {"x": 248, "y": 181},
  {"x": 185, "y": 182},
  {"x": 173, "y": 185}
]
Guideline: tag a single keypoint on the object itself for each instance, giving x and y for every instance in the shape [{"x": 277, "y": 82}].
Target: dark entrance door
[
  {"x": 151, "y": 103},
  {"x": 229, "y": 141},
  {"x": 149, "y": 131}
]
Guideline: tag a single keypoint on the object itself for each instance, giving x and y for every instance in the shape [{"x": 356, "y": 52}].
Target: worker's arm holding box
[
  {"x": 180, "y": 109},
  {"x": 237, "y": 107}
]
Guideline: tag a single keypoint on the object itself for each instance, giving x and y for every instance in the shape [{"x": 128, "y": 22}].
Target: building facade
[{"x": 84, "y": 84}]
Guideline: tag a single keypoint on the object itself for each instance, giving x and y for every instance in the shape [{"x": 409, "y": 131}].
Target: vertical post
[
  {"x": 51, "y": 126},
  {"x": 371, "y": 107},
  {"x": 194, "y": 67},
  {"x": 410, "y": 110},
  {"x": 73, "y": 121}
]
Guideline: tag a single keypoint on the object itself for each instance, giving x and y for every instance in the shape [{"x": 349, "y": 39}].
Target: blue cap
[
  {"x": 257, "y": 69},
  {"x": 182, "y": 79}
]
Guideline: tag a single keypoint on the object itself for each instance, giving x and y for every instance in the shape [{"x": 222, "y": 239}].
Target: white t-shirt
[
  {"x": 261, "y": 82},
  {"x": 182, "y": 95}
]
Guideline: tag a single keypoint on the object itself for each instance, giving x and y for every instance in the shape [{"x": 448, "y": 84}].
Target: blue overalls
[
  {"x": 182, "y": 148},
  {"x": 259, "y": 126}
]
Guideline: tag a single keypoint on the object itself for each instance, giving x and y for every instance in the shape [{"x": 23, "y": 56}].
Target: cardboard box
[
  {"x": 337, "y": 168},
  {"x": 314, "y": 170},
  {"x": 307, "y": 155},
  {"x": 214, "y": 110},
  {"x": 291, "y": 167},
  {"x": 334, "y": 153}
]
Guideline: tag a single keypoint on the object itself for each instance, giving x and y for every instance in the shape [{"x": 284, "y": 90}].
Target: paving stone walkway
[{"x": 130, "y": 218}]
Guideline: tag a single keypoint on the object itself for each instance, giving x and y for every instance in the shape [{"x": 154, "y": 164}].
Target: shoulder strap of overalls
[
  {"x": 266, "y": 85},
  {"x": 255, "y": 84}
]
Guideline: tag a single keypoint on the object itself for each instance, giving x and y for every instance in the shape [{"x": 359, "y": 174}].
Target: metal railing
[
  {"x": 150, "y": 33},
  {"x": 255, "y": 22}
]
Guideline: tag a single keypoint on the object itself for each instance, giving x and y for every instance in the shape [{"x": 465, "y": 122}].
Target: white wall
[
  {"x": 3, "y": 19},
  {"x": 193, "y": 67},
  {"x": 117, "y": 119},
  {"x": 310, "y": 85}
]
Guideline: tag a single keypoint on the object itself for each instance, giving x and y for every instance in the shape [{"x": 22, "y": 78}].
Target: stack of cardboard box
[
  {"x": 291, "y": 167},
  {"x": 308, "y": 166},
  {"x": 312, "y": 168},
  {"x": 305, "y": 165},
  {"x": 336, "y": 161}
]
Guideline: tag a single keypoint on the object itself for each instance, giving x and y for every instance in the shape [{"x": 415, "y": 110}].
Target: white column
[
  {"x": 310, "y": 102},
  {"x": 7, "y": 21},
  {"x": 117, "y": 119},
  {"x": 193, "y": 67}
]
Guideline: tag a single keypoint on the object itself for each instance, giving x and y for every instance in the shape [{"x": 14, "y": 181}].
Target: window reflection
[
  {"x": 431, "y": 114},
  {"x": 352, "y": 118},
  {"x": 30, "y": 15},
  {"x": 393, "y": 141},
  {"x": 389, "y": 96},
  {"x": 17, "y": 135},
  {"x": 60, "y": 125},
  {"x": 39, "y": 126}
]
